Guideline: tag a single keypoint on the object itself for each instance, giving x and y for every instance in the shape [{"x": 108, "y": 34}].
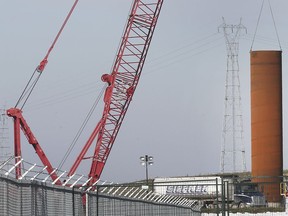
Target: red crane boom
[
  {"x": 122, "y": 82},
  {"x": 16, "y": 113}
]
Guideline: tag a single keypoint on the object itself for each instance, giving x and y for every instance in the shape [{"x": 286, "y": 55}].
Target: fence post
[
  {"x": 223, "y": 205},
  {"x": 73, "y": 201},
  {"x": 97, "y": 200},
  {"x": 228, "y": 197},
  {"x": 87, "y": 203},
  {"x": 217, "y": 197}
]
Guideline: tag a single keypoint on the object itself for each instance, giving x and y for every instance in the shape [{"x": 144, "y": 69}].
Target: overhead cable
[{"x": 274, "y": 23}]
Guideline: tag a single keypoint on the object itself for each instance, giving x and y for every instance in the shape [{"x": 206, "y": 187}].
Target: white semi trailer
[{"x": 211, "y": 190}]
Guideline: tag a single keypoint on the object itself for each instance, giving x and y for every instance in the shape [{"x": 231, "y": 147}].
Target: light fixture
[{"x": 145, "y": 161}]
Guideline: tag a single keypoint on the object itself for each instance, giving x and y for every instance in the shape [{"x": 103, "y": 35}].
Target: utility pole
[{"x": 232, "y": 148}]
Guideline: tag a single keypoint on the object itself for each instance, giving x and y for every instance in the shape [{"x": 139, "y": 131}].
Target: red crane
[
  {"x": 121, "y": 85},
  {"x": 20, "y": 122}
]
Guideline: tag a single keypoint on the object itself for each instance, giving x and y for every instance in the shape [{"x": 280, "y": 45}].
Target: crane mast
[{"x": 121, "y": 82}]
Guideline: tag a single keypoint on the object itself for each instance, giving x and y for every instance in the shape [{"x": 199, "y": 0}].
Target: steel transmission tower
[
  {"x": 4, "y": 136},
  {"x": 232, "y": 148}
]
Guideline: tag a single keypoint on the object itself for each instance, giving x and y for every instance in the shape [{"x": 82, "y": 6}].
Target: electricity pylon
[
  {"x": 4, "y": 136},
  {"x": 232, "y": 148}
]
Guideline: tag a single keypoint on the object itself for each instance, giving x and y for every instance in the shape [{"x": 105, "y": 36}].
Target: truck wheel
[
  {"x": 241, "y": 205},
  {"x": 234, "y": 205},
  {"x": 211, "y": 206}
]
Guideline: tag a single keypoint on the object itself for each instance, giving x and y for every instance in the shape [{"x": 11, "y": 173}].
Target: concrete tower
[{"x": 266, "y": 121}]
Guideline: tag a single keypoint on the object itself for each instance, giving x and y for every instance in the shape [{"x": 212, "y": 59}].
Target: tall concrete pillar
[{"x": 266, "y": 121}]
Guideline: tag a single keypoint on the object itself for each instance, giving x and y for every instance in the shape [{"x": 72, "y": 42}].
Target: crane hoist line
[
  {"x": 121, "y": 84},
  {"x": 40, "y": 68}
]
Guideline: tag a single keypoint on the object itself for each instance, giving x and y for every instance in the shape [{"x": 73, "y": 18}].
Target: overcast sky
[{"x": 177, "y": 111}]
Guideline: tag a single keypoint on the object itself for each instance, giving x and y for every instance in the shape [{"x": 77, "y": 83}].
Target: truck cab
[{"x": 247, "y": 194}]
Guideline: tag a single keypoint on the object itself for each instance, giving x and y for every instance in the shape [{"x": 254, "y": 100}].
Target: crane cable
[
  {"x": 274, "y": 25},
  {"x": 82, "y": 127},
  {"x": 271, "y": 11},
  {"x": 28, "y": 89},
  {"x": 40, "y": 68}
]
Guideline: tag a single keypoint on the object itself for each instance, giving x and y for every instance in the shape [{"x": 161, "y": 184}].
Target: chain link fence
[
  {"x": 24, "y": 198},
  {"x": 34, "y": 198},
  {"x": 34, "y": 193},
  {"x": 111, "y": 206}
]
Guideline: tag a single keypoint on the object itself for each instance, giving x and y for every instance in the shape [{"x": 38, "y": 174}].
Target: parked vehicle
[
  {"x": 211, "y": 190},
  {"x": 247, "y": 194}
]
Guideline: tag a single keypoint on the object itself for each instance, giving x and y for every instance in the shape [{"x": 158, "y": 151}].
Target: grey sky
[{"x": 177, "y": 111}]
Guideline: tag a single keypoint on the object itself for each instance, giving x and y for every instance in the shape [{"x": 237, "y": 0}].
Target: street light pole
[
  {"x": 146, "y": 167},
  {"x": 145, "y": 161}
]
